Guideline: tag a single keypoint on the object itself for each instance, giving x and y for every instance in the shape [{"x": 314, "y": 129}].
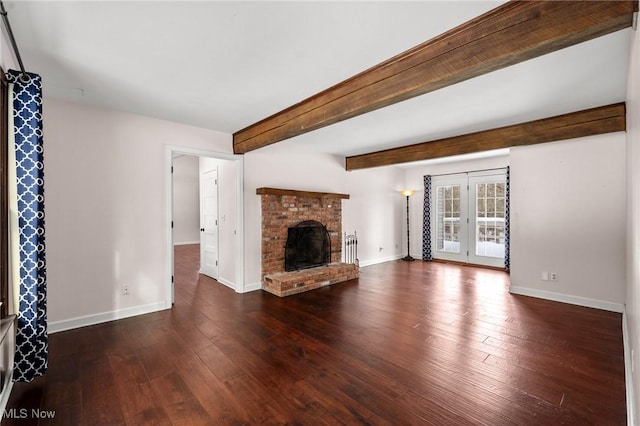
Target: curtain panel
[
  {"x": 426, "y": 220},
  {"x": 27, "y": 236},
  {"x": 507, "y": 202}
]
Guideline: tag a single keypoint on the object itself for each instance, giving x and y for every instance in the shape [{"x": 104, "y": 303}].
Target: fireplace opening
[{"x": 308, "y": 246}]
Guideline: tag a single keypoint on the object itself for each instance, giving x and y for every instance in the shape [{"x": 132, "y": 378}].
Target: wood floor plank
[
  {"x": 217, "y": 400},
  {"x": 406, "y": 343},
  {"x": 155, "y": 362},
  {"x": 102, "y": 406},
  {"x": 218, "y": 362},
  {"x": 188, "y": 413},
  {"x": 170, "y": 388},
  {"x": 140, "y": 405},
  {"x": 127, "y": 367},
  {"x": 258, "y": 400}
]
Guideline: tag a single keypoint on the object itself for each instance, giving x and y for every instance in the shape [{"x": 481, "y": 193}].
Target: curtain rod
[
  {"x": 24, "y": 76},
  {"x": 471, "y": 171}
]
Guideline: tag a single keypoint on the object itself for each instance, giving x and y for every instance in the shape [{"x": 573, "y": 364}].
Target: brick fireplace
[{"x": 282, "y": 209}]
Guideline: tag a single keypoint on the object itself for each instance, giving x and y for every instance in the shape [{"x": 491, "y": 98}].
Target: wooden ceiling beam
[
  {"x": 595, "y": 121},
  {"x": 511, "y": 33}
]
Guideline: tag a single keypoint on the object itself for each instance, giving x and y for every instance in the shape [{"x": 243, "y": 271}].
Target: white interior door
[
  {"x": 468, "y": 218},
  {"x": 209, "y": 224}
]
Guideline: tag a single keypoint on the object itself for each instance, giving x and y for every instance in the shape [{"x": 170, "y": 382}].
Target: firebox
[{"x": 308, "y": 245}]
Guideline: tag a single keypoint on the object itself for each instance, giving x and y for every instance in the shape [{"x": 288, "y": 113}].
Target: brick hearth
[
  {"x": 282, "y": 209},
  {"x": 288, "y": 283}
]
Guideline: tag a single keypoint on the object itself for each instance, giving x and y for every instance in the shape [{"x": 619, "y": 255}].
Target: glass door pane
[
  {"x": 449, "y": 213},
  {"x": 448, "y": 219},
  {"x": 488, "y": 221}
]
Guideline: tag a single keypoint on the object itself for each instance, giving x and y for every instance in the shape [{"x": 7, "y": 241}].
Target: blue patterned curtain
[
  {"x": 28, "y": 246},
  {"x": 426, "y": 220},
  {"x": 507, "y": 257}
]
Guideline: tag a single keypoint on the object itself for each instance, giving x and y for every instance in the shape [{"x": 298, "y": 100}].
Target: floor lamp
[{"x": 407, "y": 193}]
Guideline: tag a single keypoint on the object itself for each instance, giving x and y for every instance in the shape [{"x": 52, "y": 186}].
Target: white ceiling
[{"x": 226, "y": 65}]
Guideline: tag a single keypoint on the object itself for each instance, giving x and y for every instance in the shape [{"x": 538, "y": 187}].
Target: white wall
[
  {"x": 106, "y": 209},
  {"x": 373, "y": 205},
  {"x": 227, "y": 214},
  {"x": 186, "y": 200},
  {"x": 632, "y": 312},
  {"x": 415, "y": 181},
  {"x": 8, "y": 59},
  {"x": 568, "y": 216},
  {"x": 376, "y": 211}
]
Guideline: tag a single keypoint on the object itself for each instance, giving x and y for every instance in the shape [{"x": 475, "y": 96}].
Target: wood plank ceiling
[{"x": 511, "y": 33}]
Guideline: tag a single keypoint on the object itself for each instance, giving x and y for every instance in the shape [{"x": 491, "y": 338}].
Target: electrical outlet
[
  {"x": 553, "y": 276},
  {"x": 125, "y": 290},
  {"x": 380, "y": 249}
]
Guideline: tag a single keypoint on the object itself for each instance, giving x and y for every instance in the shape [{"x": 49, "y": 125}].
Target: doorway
[
  {"x": 468, "y": 217},
  {"x": 230, "y": 237}
]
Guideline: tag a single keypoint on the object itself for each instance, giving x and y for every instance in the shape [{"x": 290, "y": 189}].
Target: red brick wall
[{"x": 280, "y": 212}]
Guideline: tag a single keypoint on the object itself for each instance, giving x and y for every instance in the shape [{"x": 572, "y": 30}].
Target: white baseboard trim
[
  {"x": 380, "y": 260},
  {"x": 566, "y": 298},
  {"x": 186, "y": 243},
  {"x": 226, "y": 282},
  {"x": 251, "y": 287},
  {"x": 84, "y": 321},
  {"x": 628, "y": 376}
]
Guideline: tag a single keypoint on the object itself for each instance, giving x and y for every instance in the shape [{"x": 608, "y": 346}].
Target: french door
[{"x": 468, "y": 217}]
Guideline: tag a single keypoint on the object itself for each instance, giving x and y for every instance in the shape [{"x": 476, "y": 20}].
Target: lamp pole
[{"x": 408, "y": 257}]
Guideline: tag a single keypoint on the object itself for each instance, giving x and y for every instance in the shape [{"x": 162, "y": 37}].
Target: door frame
[
  {"x": 170, "y": 152},
  {"x": 468, "y": 223}
]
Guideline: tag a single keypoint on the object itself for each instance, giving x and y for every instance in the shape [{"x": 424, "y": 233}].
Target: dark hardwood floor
[{"x": 406, "y": 344}]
